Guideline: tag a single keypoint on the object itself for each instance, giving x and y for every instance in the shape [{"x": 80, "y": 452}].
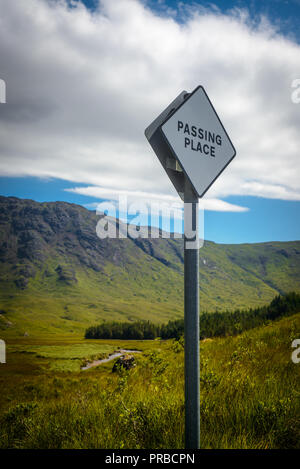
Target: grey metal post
[{"x": 191, "y": 319}]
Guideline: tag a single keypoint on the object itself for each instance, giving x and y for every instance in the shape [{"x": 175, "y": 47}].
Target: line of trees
[
  {"x": 138, "y": 330},
  {"x": 211, "y": 324},
  {"x": 232, "y": 323}
]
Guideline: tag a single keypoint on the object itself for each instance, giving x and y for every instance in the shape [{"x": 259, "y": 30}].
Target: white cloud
[
  {"x": 82, "y": 87},
  {"x": 148, "y": 198},
  {"x": 218, "y": 205}
]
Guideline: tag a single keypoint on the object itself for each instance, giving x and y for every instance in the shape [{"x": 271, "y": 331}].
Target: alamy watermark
[
  {"x": 296, "y": 353},
  {"x": 2, "y": 101},
  {"x": 155, "y": 219},
  {"x": 295, "y": 95},
  {"x": 2, "y": 91},
  {"x": 2, "y": 351}
]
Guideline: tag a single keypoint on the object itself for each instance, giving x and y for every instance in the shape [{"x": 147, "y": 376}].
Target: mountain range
[{"x": 57, "y": 276}]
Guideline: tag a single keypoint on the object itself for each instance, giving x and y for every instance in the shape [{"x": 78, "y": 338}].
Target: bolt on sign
[{"x": 191, "y": 142}]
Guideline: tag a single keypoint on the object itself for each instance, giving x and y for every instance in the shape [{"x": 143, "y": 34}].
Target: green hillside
[{"x": 57, "y": 276}]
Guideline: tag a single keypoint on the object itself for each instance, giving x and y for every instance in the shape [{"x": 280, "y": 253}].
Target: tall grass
[{"x": 249, "y": 397}]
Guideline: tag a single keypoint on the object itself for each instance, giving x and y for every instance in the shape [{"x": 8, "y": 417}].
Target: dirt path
[{"x": 108, "y": 359}]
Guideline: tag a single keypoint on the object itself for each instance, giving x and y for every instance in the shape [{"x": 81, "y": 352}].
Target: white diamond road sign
[{"x": 193, "y": 135}]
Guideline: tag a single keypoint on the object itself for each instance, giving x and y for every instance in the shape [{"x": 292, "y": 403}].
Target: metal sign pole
[{"x": 191, "y": 319}]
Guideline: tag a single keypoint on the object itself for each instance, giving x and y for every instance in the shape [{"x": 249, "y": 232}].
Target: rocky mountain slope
[{"x": 56, "y": 275}]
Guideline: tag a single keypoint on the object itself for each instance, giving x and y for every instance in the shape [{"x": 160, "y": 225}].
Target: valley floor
[{"x": 250, "y": 391}]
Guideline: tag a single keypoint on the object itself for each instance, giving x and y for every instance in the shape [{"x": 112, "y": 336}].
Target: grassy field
[{"x": 250, "y": 393}]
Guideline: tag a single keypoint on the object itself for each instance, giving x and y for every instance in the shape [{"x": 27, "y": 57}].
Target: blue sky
[
  {"x": 284, "y": 13},
  {"x": 76, "y": 112}
]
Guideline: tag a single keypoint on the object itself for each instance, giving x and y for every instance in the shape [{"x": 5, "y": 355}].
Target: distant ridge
[{"x": 56, "y": 275}]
